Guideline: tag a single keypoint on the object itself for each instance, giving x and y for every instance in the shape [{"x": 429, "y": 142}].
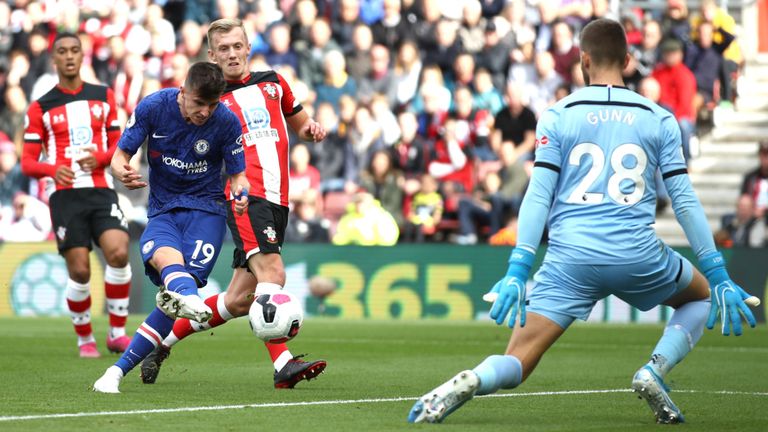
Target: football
[{"x": 276, "y": 317}]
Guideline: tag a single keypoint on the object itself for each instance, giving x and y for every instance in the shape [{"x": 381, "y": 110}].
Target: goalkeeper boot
[
  {"x": 436, "y": 405},
  {"x": 296, "y": 370},
  {"x": 150, "y": 367},
  {"x": 110, "y": 381},
  {"x": 651, "y": 387},
  {"x": 176, "y": 305}
]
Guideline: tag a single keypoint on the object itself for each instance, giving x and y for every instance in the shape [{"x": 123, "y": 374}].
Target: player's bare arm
[
  {"x": 124, "y": 172},
  {"x": 306, "y": 128}
]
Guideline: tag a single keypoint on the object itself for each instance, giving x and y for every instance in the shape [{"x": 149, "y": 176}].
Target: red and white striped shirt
[
  {"x": 61, "y": 123},
  {"x": 262, "y": 101}
]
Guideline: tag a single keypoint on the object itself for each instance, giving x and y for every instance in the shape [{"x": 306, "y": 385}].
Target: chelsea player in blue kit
[
  {"x": 189, "y": 138},
  {"x": 593, "y": 184}
]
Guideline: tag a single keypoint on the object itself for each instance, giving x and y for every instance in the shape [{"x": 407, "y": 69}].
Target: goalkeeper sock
[
  {"x": 150, "y": 333},
  {"x": 184, "y": 327},
  {"x": 498, "y": 372},
  {"x": 176, "y": 278},
  {"x": 681, "y": 334}
]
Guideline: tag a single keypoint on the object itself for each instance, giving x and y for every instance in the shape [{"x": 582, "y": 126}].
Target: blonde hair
[{"x": 224, "y": 25}]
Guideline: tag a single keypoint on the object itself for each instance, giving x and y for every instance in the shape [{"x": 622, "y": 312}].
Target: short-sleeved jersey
[
  {"x": 607, "y": 143},
  {"x": 262, "y": 101},
  {"x": 185, "y": 160},
  {"x": 61, "y": 123}
]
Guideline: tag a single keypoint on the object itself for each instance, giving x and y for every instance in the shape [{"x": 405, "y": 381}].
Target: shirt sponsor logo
[
  {"x": 253, "y": 137},
  {"x": 190, "y": 167}
]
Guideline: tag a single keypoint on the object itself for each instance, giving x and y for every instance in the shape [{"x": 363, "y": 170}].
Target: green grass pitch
[{"x": 375, "y": 372}]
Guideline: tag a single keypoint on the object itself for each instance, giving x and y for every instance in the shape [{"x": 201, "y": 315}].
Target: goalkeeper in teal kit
[{"x": 593, "y": 185}]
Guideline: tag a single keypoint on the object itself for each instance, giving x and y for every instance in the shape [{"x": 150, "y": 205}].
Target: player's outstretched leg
[
  {"x": 494, "y": 373},
  {"x": 683, "y": 330},
  {"x": 651, "y": 387},
  {"x": 149, "y": 334},
  {"x": 296, "y": 370}
]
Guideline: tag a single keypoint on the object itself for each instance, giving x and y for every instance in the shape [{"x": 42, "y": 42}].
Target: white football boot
[
  {"x": 651, "y": 387},
  {"x": 436, "y": 405},
  {"x": 177, "y": 305},
  {"x": 110, "y": 381}
]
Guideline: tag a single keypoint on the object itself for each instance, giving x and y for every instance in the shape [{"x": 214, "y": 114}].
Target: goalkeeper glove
[
  {"x": 727, "y": 297},
  {"x": 509, "y": 292}
]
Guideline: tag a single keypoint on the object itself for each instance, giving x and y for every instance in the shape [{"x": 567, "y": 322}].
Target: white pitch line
[{"x": 337, "y": 402}]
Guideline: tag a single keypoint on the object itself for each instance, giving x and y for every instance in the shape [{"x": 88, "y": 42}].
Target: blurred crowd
[{"x": 431, "y": 105}]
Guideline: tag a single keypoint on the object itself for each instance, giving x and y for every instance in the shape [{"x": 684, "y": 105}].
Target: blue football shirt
[
  {"x": 607, "y": 143},
  {"x": 185, "y": 161}
]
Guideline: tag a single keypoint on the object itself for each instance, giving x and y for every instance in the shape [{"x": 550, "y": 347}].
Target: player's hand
[
  {"x": 130, "y": 178},
  {"x": 508, "y": 294},
  {"x": 64, "y": 175},
  {"x": 86, "y": 159},
  {"x": 315, "y": 131},
  {"x": 241, "y": 199},
  {"x": 728, "y": 299}
]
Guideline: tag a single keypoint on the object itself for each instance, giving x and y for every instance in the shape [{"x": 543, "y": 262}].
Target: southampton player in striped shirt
[
  {"x": 189, "y": 139},
  {"x": 266, "y": 107},
  {"x": 593, "y": 183},
  {"x": 74, "y": 126}
]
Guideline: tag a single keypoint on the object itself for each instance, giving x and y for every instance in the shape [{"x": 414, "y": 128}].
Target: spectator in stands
[
  {"x": 472, "y": 30},
  {"x": 476, "y": 210},
  {"x": 432, "y": 102},
  {"x": 407, "y": 72},
  {"x": 678, "y": 88},
  {"x": 304, "y": 223},
  {"x": 704, "y": 58},
  {"x": 648, "y": 52},
  {"x": 452, "y": 164},
  {"x": 473, "y": 126},
  {"x": 348, "y": 17},
  {"x": 486, "y": 96},
  {"x": 366, "y": 223},
  {"x": 304, "y": 13},
  {"x": 424, "y": 213},
  {"x": 337, "y": 82},
  {"x": 494, "y": 57},
  {"x": 359, "y": 57},
  {"x": 381, "y": 79},
  {"x": 311, "y": 59},
  {"x": 515, "y": 124},
  {"x": 675, "y": 22},
  {"x": 12, "y": 116},
  {"x": 411, "y": 152},
  {"x": 392, "y": 28},
  {"x": 447, "y": 49},
  {"x": 564, "y": 51},
  {"x": 191, "y": 43},
  {"x": 541, "y": 91},
  {"x": 28, "y": 220},
  {"x": 177, "y": 72},
  {"x": 425, "y": 28},
  {"x": 382, "y": 181},
  {"x": 723, "y": 24},
  {"x": 328, "y": 155},
  {"x": 303, "y": 177},
  {"x": 385, "y": 118},
  {"x": 742, "y": 228},
  {"x": 281, "y": 51},
  {"x": 12, "y": 181},
  {"x": 755, "y": 183},
  {"x": 364, "y": 140}
]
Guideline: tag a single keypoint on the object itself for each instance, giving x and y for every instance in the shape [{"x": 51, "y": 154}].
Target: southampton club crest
[
  {"x": 270, "y": 90},
  {"x": 97, "y": 111},
  {"x": 271, "y": 234},
  {"x": 202, "y": 147}
]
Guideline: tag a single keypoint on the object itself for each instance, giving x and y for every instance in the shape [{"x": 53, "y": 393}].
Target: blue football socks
[
  {"x": 681, "y": 334},
  {"x": 176, "y": 279},
  {"x": 150, "y": 333},
  {"x": 498, "y": 372}
]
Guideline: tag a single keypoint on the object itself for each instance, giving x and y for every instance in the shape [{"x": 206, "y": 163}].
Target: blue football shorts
[
  {"x": 198, "y": 235},
  {"x": 565, "y": 292}
]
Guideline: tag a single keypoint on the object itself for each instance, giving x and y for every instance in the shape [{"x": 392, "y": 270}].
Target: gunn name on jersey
[{"x": 611, "y": 115}]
